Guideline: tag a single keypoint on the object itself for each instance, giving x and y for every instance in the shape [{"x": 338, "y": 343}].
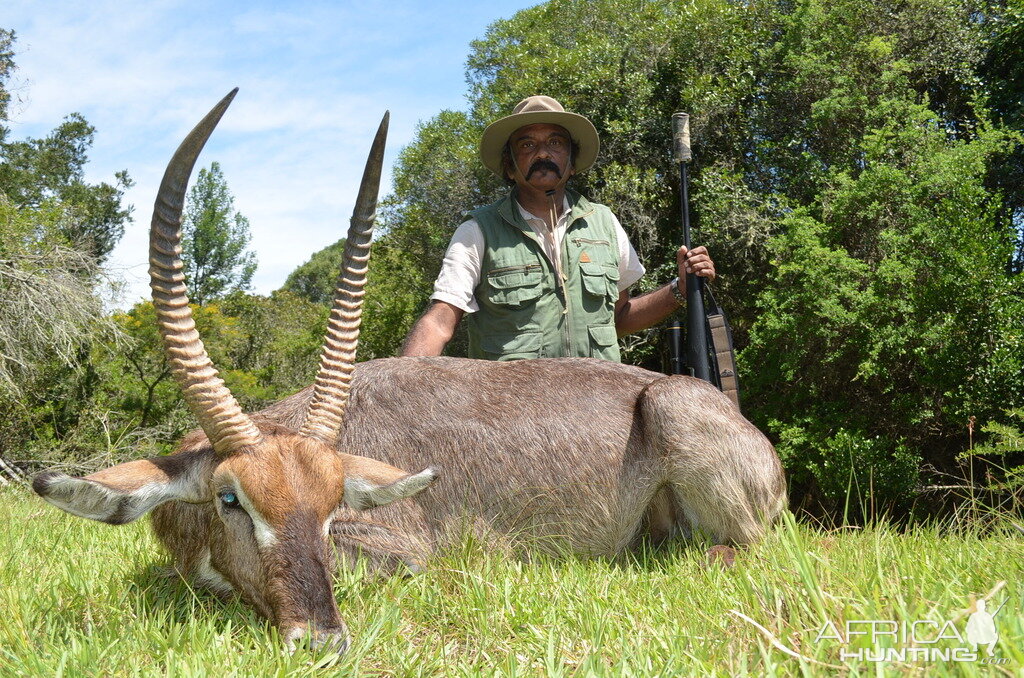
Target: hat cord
[{"x": 552, "y": 216}]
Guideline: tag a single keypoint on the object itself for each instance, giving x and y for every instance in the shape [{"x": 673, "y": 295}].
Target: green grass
[{"x": 82, "y": 599}]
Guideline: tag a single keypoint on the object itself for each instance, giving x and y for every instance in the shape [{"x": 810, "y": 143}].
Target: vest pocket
[
  {"x": 514, "y": 285},
  {"x": 518, "y": 346},
  {"x": 600, "y": 280},
  {"x": 603, "y": 342}
]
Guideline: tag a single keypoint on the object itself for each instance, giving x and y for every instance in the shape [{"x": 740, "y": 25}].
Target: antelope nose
[{"x": 320, "y": 639}]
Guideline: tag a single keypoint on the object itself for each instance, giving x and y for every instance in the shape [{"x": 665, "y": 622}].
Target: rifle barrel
[{"x": 696, "y": 329}]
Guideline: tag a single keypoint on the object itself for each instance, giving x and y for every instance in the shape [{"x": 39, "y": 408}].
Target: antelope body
[{"x": 553, "y": 454}]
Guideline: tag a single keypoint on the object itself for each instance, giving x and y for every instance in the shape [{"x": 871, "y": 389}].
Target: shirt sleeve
[
  {"x": 460, "y": 270},
  {"x": 630, "y": 268}
]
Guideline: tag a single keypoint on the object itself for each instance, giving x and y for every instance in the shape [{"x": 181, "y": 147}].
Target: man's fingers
[
  {"x": 708, "y": 273},
  {"x": 705, "y": 269},
  {"x": 696, "y": 261}
]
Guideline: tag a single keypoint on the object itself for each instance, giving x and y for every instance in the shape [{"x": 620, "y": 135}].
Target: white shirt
[{"x": 460, "y": 270}]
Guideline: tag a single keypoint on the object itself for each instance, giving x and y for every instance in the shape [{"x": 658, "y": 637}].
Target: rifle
[{"x": 709, "y": 354}]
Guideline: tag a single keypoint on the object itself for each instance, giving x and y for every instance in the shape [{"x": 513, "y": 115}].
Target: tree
[
  {"x": 316, "y": 279},
  {"x": 264, "y": 348},
  {"x": 278, "y": 350},
  {"x": 892, "y": 315},
  {"x": 6, "y": 66},
  {"x": 1003, "y": 71},
  {"x": 48, "y": 307},
  {"x": 35, "y": 171},
  {"x": 214, "y": 240},
  {"x": 55, "y": 231}
]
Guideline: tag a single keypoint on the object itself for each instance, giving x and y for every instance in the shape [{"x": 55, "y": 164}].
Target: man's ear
[
  {"x": 123, "y": 493},
  {"x": 370, "y": 483}
]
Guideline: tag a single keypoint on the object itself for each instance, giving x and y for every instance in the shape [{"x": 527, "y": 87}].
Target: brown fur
[{"x": 563, "y": 454}]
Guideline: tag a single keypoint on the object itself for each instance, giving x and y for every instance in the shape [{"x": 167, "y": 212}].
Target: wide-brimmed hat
[{"x": 533, "y": 110}]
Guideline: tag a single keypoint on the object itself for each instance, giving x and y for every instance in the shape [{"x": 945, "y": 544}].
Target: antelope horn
[
  {"x": 227, "y": 427},
  {"x": 338, "y": 360}
]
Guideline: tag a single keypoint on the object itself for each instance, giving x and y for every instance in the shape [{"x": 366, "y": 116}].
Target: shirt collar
[{"x": 530, "y": 215}]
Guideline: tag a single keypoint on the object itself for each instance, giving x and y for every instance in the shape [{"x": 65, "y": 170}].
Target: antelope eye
[{"x": 229, "y": 499}]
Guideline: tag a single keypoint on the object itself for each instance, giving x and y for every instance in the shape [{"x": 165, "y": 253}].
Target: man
[{"x": 544, "y": 272}]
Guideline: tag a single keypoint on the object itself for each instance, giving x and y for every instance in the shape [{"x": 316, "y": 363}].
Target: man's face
[{"x": 543, "y": 154}]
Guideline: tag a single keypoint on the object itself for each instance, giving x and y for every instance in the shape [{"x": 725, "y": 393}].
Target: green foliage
[
  {"x": 394, "y": 299},
  {"x": 55, "y": 230},
  {"x": 395, "y": 290},
  {"x": 34, "y": 171},
  {"x": 214, "y": 240},
  {"x": 316, "y": 279},
  {"x": 118, "y": 400},
  {"x": 50, "y": 316},
  {"x": 146, "y": 387},
  {"x": 1003, "y": 73},
  {"x": 855, "y": 472},
  {"x": 891, "y": 317},
  {"x": 1006, "y": 443},
  {"x": 277, "y": 350},
  {"x": 265, "y": 348}
]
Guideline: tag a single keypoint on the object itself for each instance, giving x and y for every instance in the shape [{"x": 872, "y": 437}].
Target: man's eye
[
  {"x": 556, "y": 143},
  {"x": 527, "y": 145},
  {"x": 229, "y": 499}
]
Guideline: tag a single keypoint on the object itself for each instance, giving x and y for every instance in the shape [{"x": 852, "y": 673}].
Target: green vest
[{"x": 522, "y": 311}]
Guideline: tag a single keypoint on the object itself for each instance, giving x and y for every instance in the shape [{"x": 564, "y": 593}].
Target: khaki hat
[{"x": 533, "y": 110}]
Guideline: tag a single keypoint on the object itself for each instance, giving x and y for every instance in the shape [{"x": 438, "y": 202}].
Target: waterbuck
[{"x": 556, "y": 454}]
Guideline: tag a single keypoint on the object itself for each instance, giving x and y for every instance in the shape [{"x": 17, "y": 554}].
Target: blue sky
[{"x": 314, "y": 78}]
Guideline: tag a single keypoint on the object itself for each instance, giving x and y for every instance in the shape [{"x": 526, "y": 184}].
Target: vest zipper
[
  {"x": 567, "y": 327},
  {"x": 567, "y": 334},
  {"x": 503, "y": 269},
  {"x": 579, "y": 241}
]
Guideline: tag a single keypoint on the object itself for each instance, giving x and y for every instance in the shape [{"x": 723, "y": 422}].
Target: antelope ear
[
  {"x": 370, "y": 483},
  {"x": 122, "y": 493}
]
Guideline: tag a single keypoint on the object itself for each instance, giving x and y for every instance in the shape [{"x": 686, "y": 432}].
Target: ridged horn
[
  {"x": 227, "y": 427},
  {"x": 338, "y": 360}
]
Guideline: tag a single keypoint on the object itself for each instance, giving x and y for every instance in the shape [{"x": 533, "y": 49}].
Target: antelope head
[{"x": 262, "y": 496}]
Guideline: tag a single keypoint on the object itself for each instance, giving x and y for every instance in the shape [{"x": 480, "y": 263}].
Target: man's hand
[
  {"x": 696, "y": 261},
  {"x": 633, "y": 314}
]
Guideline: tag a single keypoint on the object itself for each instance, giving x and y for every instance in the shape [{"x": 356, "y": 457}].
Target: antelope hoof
[
  {"x": 721, "y": 556},
  {"x": 328, "y": 640}
]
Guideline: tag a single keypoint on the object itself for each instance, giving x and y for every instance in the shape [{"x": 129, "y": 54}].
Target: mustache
[{"x": 545, "y": 164}]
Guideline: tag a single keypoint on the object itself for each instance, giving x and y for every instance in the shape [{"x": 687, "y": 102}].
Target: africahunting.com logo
[{"x": 922, "y": 640}]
